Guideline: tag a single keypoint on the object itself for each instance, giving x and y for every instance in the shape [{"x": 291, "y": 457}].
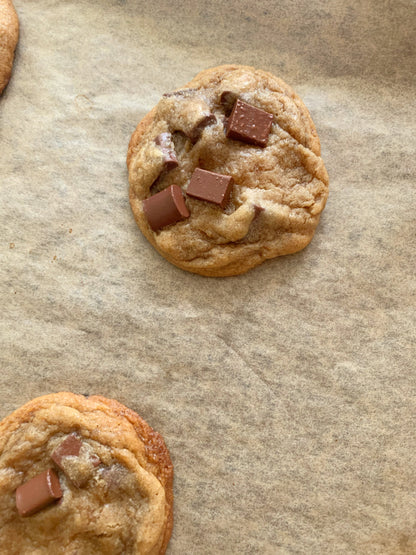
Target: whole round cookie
[
  {"x": 83, "y": 476},
  {"x": 9, "y": 33},
  {"x": 226, "y": 172}
]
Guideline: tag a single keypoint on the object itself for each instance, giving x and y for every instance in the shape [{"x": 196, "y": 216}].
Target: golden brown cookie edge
[
  {"x": 157, "y": 454},
  {"x": 11, "y": 33}
]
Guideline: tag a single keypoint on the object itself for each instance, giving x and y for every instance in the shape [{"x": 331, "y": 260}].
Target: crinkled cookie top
[
  {"x": 279, "y": 190},
  {"x": 114, "y": 474}
]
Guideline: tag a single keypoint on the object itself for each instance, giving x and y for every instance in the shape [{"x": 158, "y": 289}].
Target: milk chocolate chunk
[
  {"x": 38, "y": 493},
  {"x": 249, "y": 124},
  {"x": 76, "y": 459},
  {"x": 68, "y": 448},
  {"x": 165, "y": 208},
  {"x": 210, "y": 186},
  {"x": 196, "y": 132},
  {"x": 164, "y": 141}
]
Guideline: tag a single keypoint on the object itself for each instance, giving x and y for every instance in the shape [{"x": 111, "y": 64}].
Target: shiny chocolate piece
[
  {"x": 210, "y": 186},
  {"x": 165, "y": 208},
  {"x": 68, "y": 448},
  {"x": 38, "y": 493},
  {"x": 164, "y": 141},
  {"x": 71, "y": 447},
  {"x": 196, "y": 132},
  {"x": 249, "y": 124}
]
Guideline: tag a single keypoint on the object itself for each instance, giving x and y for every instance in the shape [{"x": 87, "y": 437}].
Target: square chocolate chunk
[
  {"x": 210, "y": 186},
  {"x": 165, "y": 208},
  {"x": 38, "y": 493},
  {"x": 249, "y": 124}
]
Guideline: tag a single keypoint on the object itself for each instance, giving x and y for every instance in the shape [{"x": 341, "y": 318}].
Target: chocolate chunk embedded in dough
[
  {"x": 164, "y": 141},
  {"x": 210, "y": 186},
  {"x": 68, "y": 448},
  {"x": 76, "y": 459},
  {"x": 38, "y": 493},
  {"x": 165, "y": 208},
  {"x": 249, "y": 124},
  {"x": 196, "y": 132}
]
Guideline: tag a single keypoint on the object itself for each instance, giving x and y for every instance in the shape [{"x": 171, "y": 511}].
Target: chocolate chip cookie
[
  {"x": 9, "y": 33},
  {"x": 83, "y": 476},
  {"x": 226, "y": 172}
]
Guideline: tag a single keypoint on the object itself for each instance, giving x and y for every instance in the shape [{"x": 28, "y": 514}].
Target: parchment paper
[{"x": 286, "y": 395}]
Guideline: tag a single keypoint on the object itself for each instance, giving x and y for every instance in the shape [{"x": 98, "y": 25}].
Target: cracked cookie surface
[
  {"x": 116, "y": 492},
  {"x": 279, "y": 190},
  {"x": 9, "y": 33}
]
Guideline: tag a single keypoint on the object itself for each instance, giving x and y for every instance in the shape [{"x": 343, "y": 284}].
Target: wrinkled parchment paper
[{"x": 286, "y": 395}]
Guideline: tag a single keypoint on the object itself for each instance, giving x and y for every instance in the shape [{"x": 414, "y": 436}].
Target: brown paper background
[{"x": 286, "y": 395}]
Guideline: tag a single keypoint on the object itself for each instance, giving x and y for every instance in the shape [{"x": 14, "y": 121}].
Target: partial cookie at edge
[
  {"x": 9, "y": 34},
  {"x": 119, "y": 432}
]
